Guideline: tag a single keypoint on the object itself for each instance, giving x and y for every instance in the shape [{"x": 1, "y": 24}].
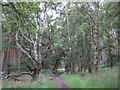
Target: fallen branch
[{"x": 11, "y": 76}]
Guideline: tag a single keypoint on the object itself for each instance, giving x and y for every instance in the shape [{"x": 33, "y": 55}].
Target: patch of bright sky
[
  {"x": 53, "y": 12},
  {"x": 4, "y": 0},
  {"x": 50, "y": 12}
]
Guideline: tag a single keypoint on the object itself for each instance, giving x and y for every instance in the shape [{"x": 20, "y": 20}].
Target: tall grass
[
  {"x": 106, "y": 78},
  {"x": 46, "y": 83}
]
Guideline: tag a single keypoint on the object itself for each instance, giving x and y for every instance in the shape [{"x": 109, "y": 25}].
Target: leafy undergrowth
[
  {"x": 106, "y": 78},
  {"x": 42, "y": 82}
]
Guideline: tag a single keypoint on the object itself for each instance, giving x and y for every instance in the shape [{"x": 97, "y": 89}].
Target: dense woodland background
[{"x": 45, "y": 36}]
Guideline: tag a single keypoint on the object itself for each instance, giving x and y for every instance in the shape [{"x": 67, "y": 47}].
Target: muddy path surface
[{"x": 59, "y": 82}]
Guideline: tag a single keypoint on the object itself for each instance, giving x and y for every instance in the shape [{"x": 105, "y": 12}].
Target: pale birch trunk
[{"x": 35, "y": 52}]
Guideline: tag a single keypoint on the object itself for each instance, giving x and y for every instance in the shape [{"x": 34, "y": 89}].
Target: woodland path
[{"x": 59, "y": 82}]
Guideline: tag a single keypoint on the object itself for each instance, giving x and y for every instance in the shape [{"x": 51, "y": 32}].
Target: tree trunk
[
  {"x": 56, "y": 64},
  {"x": 67, "y": 67},
  {"x": 1, "y": 60},
  {"x": 35, "y": 74},
  {"x": 96, "y": 41}
]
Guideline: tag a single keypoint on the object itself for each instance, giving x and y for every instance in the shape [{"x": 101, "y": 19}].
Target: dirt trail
[{"x": 59, "y": 82}]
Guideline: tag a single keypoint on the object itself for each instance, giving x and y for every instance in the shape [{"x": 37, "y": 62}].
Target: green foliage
[
  {"x": 61, "y": 69},
  {"x": 46, "y": 71},
  {"x": 103, "y": 66},
  {"x": 84, "y": 26},
  {"x": 12, "y": 66},
  {"x": 1, "y": 73}
]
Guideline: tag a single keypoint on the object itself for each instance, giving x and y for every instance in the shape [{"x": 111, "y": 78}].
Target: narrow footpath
[{"x": 59, "y": 82}]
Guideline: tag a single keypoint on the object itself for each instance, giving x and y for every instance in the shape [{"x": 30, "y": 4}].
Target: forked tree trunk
[{"x": 34, "y": 72}]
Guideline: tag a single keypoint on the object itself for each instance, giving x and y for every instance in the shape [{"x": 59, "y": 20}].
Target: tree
[
  {"x": 29, "y": 29},
  {"x": 74, "y": 34}
]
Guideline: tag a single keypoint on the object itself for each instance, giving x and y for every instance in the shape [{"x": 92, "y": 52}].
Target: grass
[
  {"x": 47, "y": 83},
  {"x": 106, "y": 78}
]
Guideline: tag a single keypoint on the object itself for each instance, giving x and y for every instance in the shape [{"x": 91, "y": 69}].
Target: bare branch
[
  {"x": 46, "y": 52},
  {"x": 24, "y": 51},
  {"x": 31, "y": 41}
]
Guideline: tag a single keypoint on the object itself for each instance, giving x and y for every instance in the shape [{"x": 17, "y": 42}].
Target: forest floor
[
  {"x": 59, "y": 82},
  {"x": 105, "y": 78}
]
